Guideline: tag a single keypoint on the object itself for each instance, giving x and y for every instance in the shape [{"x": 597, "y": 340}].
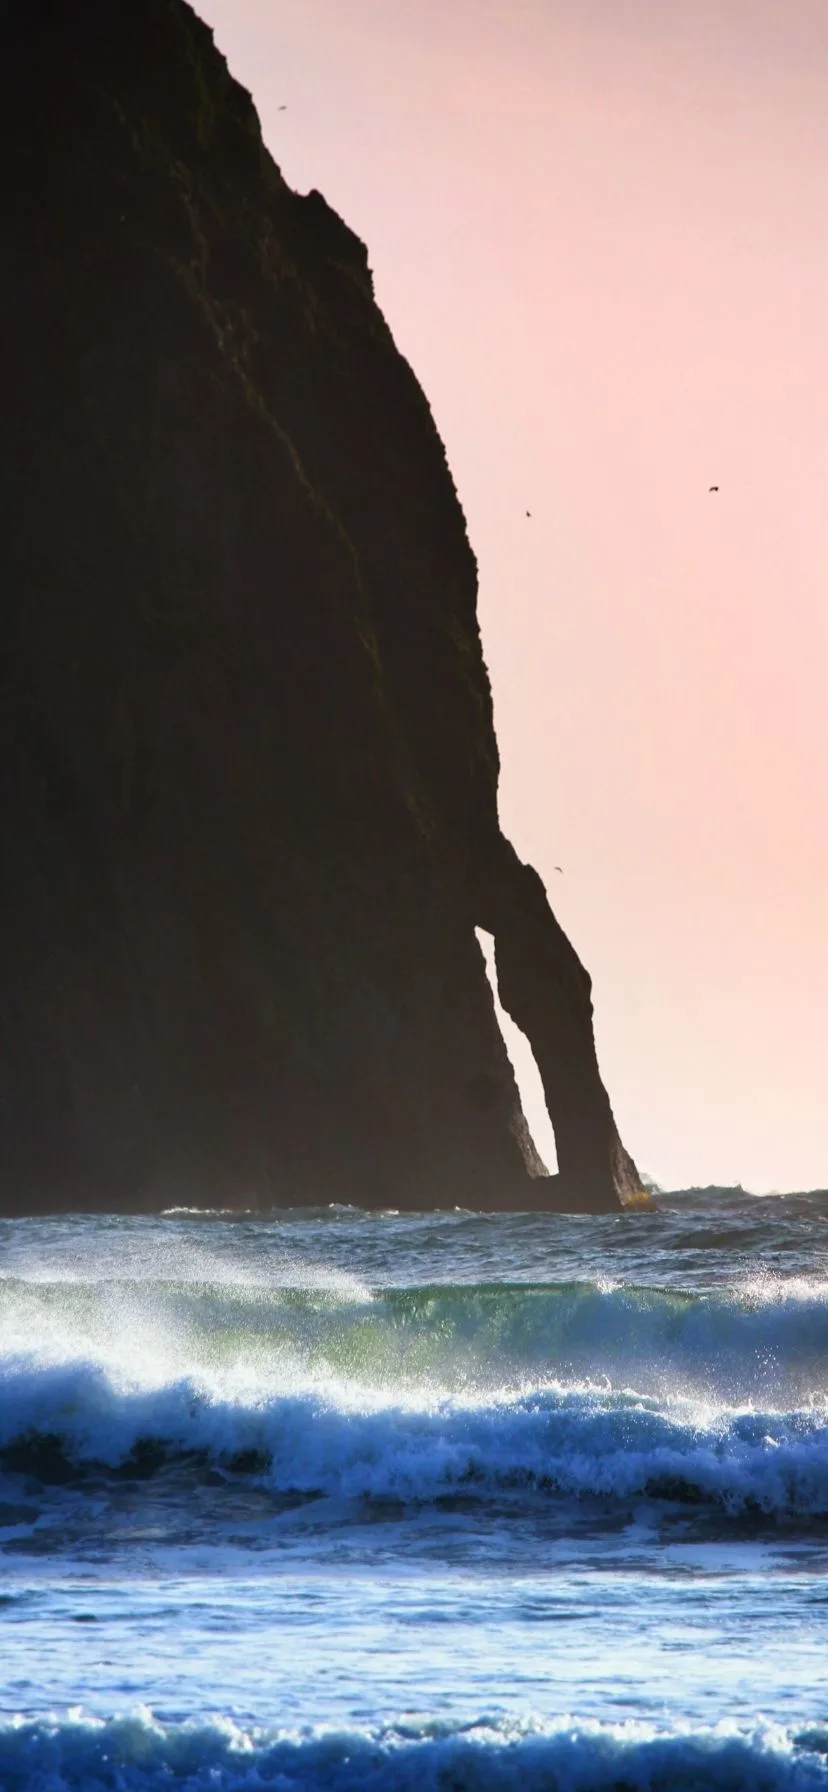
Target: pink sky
[{"x": 598, "y": 232}]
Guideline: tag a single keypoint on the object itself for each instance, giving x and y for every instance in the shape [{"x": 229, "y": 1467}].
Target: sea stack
[{"x": 248, "y": 770}]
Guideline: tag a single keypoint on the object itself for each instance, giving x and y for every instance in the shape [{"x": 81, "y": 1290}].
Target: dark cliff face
[{"x": 249, "y": 773}]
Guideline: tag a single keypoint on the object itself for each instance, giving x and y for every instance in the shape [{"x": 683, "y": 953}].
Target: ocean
[{"x": 323, "y": 1499}]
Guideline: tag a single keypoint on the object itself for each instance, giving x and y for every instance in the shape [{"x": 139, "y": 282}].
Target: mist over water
[{"x": 322, "y": 1498}]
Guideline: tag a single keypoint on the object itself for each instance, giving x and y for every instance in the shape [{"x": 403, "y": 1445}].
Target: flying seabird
[{"x": 712, "y": 488}]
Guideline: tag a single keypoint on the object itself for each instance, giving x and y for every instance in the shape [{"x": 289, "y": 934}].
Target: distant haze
[{"x": 598, "y": 231}]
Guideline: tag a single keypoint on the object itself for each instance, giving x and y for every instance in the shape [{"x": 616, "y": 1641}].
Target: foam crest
[
  {"x": 548, "y": 1442},
  {"x": 137, "y": 1753}
]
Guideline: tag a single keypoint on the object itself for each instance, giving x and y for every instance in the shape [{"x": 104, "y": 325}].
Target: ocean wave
[
  {"x": 353, "y": 1443},
  {"x": 764, "y": 1339},
  {"x": 137, "y": 1753}
]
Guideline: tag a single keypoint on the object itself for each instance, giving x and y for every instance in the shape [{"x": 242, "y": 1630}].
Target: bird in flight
[
  {"x": 281, "y": 108},
  {"x": 712, "y": 488},
  {"x": 559, "y": 868},
  {"x": 528, "y": 513}
]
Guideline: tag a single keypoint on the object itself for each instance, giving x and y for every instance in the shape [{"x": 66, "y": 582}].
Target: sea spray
[{"x": 763, "y": 1341}]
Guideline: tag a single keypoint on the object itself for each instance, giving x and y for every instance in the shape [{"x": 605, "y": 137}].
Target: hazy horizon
[{"x": 594, "y": 230}]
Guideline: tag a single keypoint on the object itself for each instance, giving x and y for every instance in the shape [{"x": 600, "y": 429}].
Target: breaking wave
[
  {"x": 564, "y": 1392},
  {"x": 764, "y": 1340},
  {"x": 137, "y": 1753}
]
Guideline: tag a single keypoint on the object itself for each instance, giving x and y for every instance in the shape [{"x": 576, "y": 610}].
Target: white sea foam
[
  {"x": 355, "y": 1442},
  {"x": 138, "y": 1753}
]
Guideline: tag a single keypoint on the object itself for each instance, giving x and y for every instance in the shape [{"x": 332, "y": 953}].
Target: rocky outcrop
[
  {"x": 543, "y": 985},
  {"x": 249, "y": 772}
]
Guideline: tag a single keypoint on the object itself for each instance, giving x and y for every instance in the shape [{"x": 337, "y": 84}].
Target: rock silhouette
[{"x": 249, "y": 771}]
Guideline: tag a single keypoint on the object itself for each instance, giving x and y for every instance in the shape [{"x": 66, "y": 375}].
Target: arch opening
[{"x": 524, "y": 1064}]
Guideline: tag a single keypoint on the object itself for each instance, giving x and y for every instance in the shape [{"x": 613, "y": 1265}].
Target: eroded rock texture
[{"x": 248, "y": 763}]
